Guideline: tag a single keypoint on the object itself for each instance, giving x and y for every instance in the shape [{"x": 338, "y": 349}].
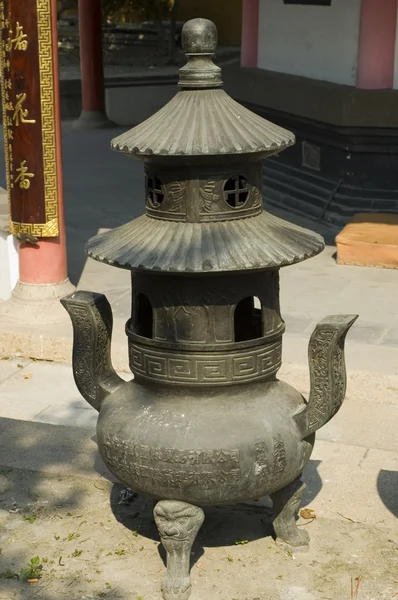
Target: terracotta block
[{"x": 369, "y": 240}]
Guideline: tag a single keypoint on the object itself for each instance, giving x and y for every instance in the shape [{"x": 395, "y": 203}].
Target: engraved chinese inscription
[
  {"x": 24, "y": 176},
  {"x": 279, "y": 455},
  {"x": 204, "y": 468},
  {"x": 262, "y": 463},
  {"x": 20, "y": 114},
  {"x": 15, "y": 40},
  {"x": 319, "y": 366},
  {"x": 188, "y": 457},
  {"x": 26, "y": 51},
  {"x": 19, "y": 41}
]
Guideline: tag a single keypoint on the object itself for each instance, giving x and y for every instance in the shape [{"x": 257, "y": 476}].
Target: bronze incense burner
[{"x": 205, "y": 420}]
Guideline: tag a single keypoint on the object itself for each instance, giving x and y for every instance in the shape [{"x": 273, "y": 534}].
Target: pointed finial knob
[{"x": 199, "y": 41}]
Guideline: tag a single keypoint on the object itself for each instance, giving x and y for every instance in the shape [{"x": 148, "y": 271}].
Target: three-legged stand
[
  {"x": 178, "y": 524},
  {"x": 285, "y": 507}
]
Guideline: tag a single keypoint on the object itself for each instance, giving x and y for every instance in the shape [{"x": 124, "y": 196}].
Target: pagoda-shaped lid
[
  {"x": 206, "y": 123},
  {"x": 203, "y": 215}
]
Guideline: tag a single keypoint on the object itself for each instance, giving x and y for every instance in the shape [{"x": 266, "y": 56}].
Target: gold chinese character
[
  {"x": 10, "y": 134},
  {"x": 8, "y": 106},
  {"x": 24, "y": 182},
  {"x": 20, "y": 113},
  {"x": 7, "y": 23},
  {"x": 19, "y": 42},
  {"x": 7, "y": 64},
  {"x": 8, "y": 84}
]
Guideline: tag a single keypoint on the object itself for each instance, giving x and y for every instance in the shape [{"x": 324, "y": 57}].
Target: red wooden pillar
[
  {"x": 32, "y": 135},
  {"x": 93, "y": 113},
  {"x": 45, "y": 261},
  {"x": 376, "y": 48},
  {"x": 250, "y": 22}
]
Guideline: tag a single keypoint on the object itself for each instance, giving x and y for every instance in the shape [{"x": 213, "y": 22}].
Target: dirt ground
[{"x": 90, "y": 547}]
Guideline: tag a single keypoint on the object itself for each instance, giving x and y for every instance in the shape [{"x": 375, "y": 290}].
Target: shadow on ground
[
  {"x": 387, "y": 486},
  {"x": 53, "y": 458},
  {"x": 55, "y": 474},
  {"x": 227, "y": 525}
]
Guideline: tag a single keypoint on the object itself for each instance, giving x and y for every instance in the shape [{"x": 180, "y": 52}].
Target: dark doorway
[
  {"x": 144, "y": 317},
  {"x": 247, "y": 320}
]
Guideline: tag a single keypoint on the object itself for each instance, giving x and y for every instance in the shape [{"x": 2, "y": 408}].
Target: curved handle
[
  {"x": 327, "y": 372},
  {"x": 92, "y": 322}
]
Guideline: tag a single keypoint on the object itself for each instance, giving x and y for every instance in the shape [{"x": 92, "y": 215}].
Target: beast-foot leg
[
  {"x": 285, "y": 507},
  {"x": 178, "y": 524}
]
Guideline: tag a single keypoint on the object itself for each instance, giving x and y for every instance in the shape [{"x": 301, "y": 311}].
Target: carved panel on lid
[{"x": 204, "y": 195}]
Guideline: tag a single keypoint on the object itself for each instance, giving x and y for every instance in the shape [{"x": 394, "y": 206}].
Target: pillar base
[
  {"x": 36, "y": 304},
  {"x": 92, "y": 120}
]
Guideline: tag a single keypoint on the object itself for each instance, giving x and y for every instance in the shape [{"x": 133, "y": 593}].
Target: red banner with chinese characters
[{"x": 29, "y": 117}]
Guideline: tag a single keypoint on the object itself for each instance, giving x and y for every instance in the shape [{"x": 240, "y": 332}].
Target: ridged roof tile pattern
[
  {"x": 203, "y": 122},
  {"x": 259, "y": 242}
]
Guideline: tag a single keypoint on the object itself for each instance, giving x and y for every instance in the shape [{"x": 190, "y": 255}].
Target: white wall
[
  {"x": 320, "y": 42},
  {"x": 9, "y": 268}
]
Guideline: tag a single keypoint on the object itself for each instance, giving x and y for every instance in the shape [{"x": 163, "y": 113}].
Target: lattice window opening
[
  {"x": 236, "y": 191},
  {"x": 154, "y": 191},
  {"x": 143, "y": 317},
  {"x": 248, "y": 320}
]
